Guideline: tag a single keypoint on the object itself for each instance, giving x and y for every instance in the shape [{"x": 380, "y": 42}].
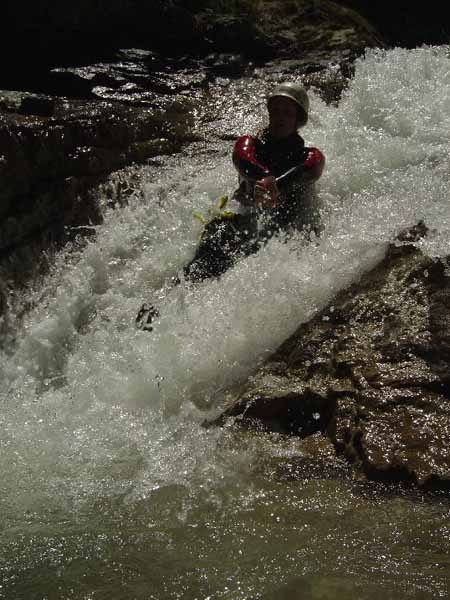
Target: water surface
[{"x": 111, "y": 487}]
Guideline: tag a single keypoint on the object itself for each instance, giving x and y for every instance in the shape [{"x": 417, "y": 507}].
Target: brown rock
[{"x": 374, "y": 377}]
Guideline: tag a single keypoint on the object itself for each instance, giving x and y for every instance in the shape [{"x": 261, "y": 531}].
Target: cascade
[{"x": 110, "y": 485}]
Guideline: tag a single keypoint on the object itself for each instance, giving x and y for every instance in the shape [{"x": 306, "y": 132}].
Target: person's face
[{"x": 282, "y": 117}]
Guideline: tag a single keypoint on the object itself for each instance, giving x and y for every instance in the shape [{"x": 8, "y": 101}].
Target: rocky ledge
[{"x": 367, "y": 379}]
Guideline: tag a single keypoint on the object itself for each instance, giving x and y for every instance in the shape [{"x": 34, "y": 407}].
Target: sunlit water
[{"x": 111, "y": 488}]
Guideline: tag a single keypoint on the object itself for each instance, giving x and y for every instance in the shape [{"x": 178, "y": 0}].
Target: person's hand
[{"x": 266, "y": 192}]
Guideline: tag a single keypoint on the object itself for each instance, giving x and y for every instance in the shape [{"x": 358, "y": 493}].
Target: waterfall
[{"x": 110, "y": 485}]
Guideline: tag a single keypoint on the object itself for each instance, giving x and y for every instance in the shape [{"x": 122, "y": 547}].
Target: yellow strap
[
  {"x": 200, "y": 218},
  {"x": 222, "y": 202},
  {"x": 215, "y": 213}
]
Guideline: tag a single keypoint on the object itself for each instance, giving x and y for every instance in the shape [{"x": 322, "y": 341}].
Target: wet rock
[
  {"x": 317, "y": 30},
  {"x": 227, "y": 65},
  {"x": 37, "y": 105},
  {"x": 48, "y": 34},
  {"x": 133, "y": 75},
  {"x": 373, "y": 376},
  {"x": 403, "y": 23},
  {"x": 50, "y": 164},
  {"x": 315, "y": 458}
]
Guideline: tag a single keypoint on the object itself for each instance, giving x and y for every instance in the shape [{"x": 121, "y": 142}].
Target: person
[{"x": 276, "y": 192}]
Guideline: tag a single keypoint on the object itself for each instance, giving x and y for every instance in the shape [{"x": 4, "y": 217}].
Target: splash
[{"x": 91, "y": 407}]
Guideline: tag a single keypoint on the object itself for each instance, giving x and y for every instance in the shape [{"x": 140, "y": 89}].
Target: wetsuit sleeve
[{"x": 309, "y": 169}]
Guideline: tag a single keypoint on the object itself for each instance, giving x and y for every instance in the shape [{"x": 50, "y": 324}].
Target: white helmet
[{"x": 297, "y": 94}]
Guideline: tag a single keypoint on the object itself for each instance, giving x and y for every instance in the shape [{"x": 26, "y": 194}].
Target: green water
[{"x": 264, "y": 532}]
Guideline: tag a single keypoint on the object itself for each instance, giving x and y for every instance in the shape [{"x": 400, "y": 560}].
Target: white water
[{"x": 93, "y": 410}]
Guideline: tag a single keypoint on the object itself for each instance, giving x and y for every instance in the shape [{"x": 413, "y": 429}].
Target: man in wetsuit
[
  {"x": 286, "y": 197},
  {"x": 276, "y": 192}
]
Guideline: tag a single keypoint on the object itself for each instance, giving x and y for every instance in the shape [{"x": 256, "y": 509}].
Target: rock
[
  {"x": 131, "y": 78},
  {"x": 314, "y": 458},
  {"x": 48, "y": 34},
  {"x": 38, "y": 105},
  {"x": 373, "y": 376},
  {"x": 51, "y": 164},
  {"x": 52, "y": 37},
  {"x": 226, "y": 65},
  {"x": 404, "y": 23},
  {"x": 317, "y": 30}
]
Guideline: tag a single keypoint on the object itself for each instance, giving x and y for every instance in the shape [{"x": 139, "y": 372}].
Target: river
[{"x": 111, "y": 488}]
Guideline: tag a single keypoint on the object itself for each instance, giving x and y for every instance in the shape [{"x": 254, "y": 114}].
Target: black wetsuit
[
  {"x": 296, "y": 206},
  {"x": 228, "y": 237}
]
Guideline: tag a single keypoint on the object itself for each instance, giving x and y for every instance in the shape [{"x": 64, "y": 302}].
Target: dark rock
[
  {"x": 48, "y": 34},
  {"x": 50, "y": 165},
  {"x": 87, "y": 33},
  {"x": 317, "y": 30},
  {"x": 37, "y": 105},
  {"x": 373, "y": 376},
  {"x": 227, "y": 65},
  {"x": 52, "y": 35},
  {"x": 315, "y": 458},
  {"x": 404, "y": 23}
]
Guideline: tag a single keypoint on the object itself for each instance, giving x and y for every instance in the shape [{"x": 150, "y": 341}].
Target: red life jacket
[{"x": 309, "y": 163}]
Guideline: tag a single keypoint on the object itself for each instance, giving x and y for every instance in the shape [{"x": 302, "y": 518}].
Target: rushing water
[{"x": 111, "y": 488}]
